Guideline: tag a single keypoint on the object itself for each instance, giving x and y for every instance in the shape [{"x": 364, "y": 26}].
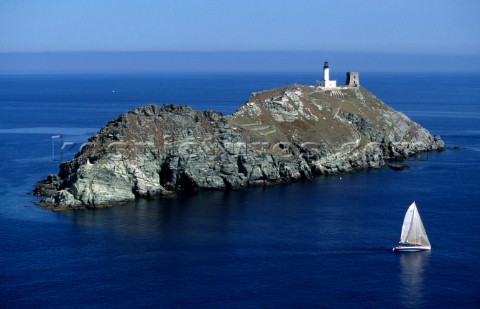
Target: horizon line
[{"x": 419, "y": 53}]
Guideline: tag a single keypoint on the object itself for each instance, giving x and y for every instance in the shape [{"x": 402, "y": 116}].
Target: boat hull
[{"x": 411, "y": 248}]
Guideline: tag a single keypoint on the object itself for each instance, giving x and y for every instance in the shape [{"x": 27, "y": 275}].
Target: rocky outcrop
[{"x": 279, "y": 135}]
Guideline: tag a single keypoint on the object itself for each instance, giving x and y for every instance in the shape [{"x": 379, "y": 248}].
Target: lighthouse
[
  {"x": 326, "y": 71},
  {"x": 326, "y": 82}
]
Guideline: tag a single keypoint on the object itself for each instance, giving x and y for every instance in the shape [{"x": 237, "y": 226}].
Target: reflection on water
[
  {"x": 198, "y": 216},
  {"x": 413, "y": 266},
  {"x": 316, "y": 216}
]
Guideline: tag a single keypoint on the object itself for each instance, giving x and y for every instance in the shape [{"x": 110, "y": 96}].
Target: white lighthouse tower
[
  {"x": 326, "y": 82},
  {"x": 326, "y": 72}
]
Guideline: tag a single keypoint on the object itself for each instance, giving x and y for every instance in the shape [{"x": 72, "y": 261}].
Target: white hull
[{"x": 411, "y": 248}]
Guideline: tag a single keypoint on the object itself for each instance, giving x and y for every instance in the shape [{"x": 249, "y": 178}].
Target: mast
[{"x": 414, "y": 225}]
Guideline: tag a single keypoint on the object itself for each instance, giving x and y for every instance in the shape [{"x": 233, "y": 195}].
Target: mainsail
[{"x": 413, "y": 231}]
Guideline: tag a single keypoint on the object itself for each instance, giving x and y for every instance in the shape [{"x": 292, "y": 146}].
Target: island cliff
[{"x": 277, "y": 136}]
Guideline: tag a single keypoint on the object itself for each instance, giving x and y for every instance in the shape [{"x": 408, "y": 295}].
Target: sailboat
[{"x": 414, "y": 237}]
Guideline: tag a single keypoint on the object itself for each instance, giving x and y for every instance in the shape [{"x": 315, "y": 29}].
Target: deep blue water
[{"x": 321, "y": 243}]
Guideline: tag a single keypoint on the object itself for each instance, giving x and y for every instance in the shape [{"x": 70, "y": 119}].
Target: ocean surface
[{"x": 323, "y": 243}]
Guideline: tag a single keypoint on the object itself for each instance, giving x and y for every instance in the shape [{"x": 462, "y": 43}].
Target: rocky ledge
[{"x": 277, "y": 136}]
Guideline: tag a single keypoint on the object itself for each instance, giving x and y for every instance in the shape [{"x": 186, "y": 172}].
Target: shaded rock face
[{"x": 279, "y": 135}]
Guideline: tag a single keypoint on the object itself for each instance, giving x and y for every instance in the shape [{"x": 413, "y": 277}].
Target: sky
[{"x": 40, "y": 30}]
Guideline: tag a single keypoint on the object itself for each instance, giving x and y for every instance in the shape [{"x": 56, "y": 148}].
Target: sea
[{"x": 321, "y": 243}]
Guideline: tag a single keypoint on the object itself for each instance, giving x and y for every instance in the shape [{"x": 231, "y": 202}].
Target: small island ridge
[{"x": 279, "y": 135}]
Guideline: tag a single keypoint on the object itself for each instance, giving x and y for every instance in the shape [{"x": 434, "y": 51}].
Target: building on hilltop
[
  {"x": 352, "y": 79},
  {"x": 326, "y": 82}
]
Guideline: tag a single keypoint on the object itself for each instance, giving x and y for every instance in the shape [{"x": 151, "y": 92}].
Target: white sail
[
  {"x": 413, "y": 231},
  {"x": 407, "y": 222}
]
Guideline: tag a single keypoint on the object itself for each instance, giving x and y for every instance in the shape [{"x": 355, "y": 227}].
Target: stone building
[{"x": 352, "y": 79}]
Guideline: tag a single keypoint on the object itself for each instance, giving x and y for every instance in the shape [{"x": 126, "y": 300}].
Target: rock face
[{"x": 277, "y": 136}]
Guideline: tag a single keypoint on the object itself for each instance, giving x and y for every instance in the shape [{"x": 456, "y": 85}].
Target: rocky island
[{"x": 277, "y": 136}]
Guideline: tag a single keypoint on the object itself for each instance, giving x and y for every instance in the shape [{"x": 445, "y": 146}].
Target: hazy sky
[
  {"x": 376, "y": 35},
  {"x": 426, "y": 26}
]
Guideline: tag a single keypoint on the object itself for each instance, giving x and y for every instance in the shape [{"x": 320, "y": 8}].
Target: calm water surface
[{"x": 321, "y": 243}]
